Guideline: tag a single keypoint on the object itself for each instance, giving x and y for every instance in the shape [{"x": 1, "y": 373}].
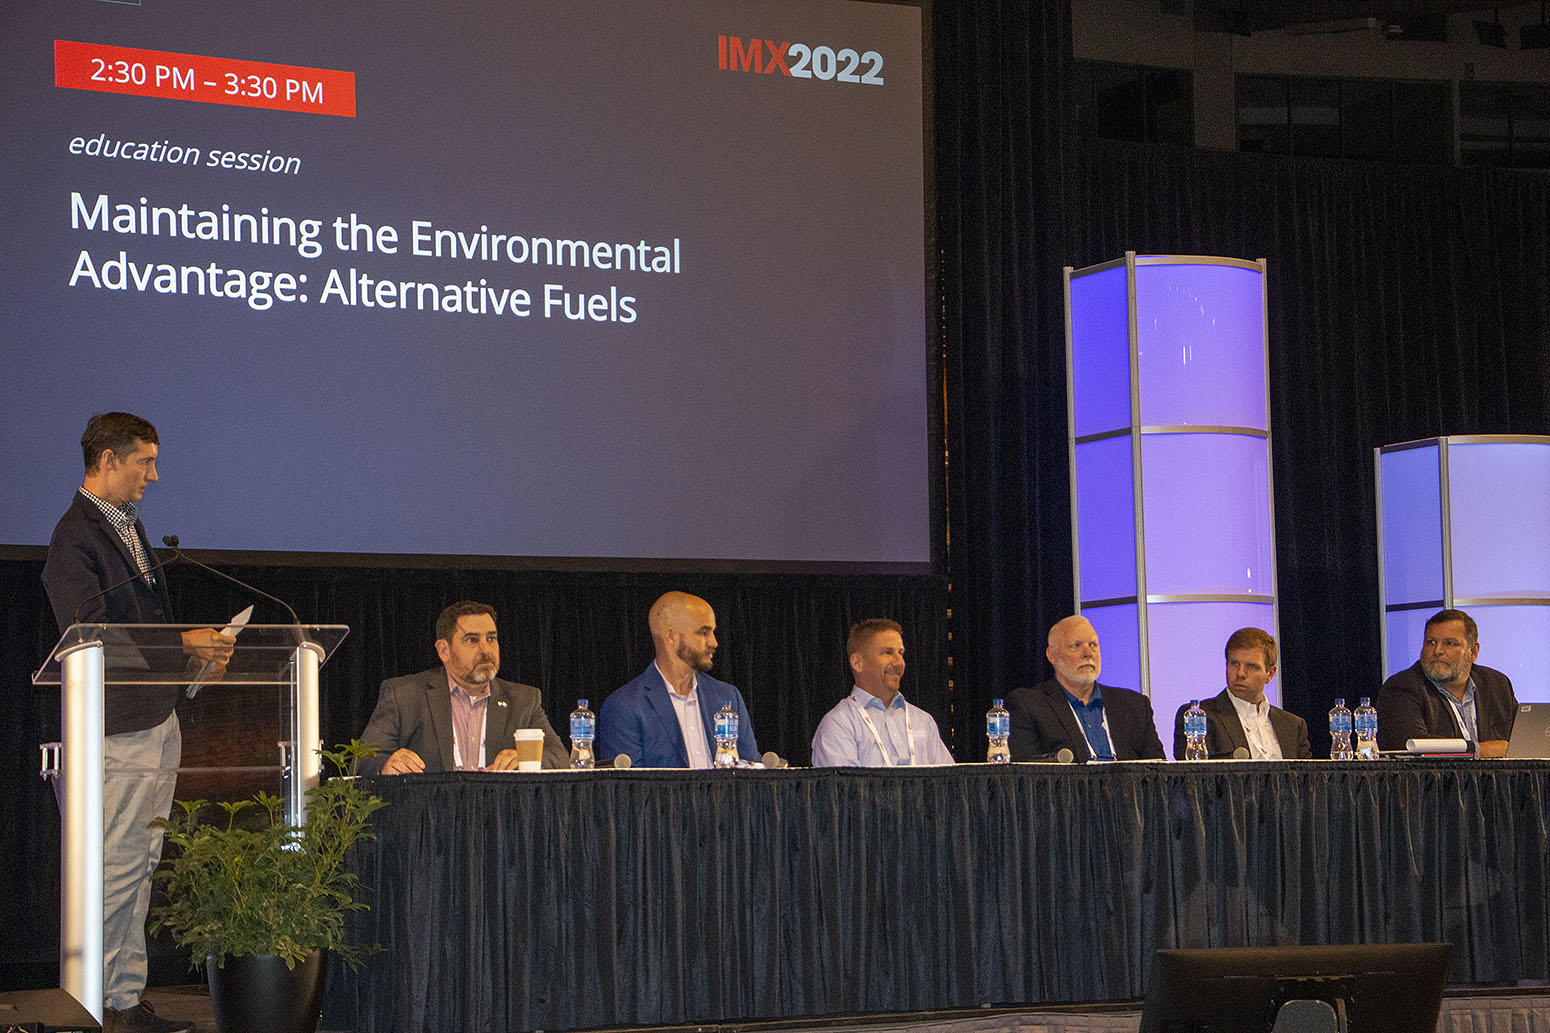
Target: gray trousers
[{"x": 139, "y": 773}]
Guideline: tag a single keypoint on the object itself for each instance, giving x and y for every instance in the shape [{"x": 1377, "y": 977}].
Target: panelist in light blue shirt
[{"x": 875, "y": 726}]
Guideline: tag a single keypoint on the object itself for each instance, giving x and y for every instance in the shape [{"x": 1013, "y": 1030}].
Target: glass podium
[{"x": 270, "y": 685}]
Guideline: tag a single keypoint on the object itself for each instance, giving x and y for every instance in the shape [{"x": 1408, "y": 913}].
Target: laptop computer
[{"x": 1530, "y": 733}]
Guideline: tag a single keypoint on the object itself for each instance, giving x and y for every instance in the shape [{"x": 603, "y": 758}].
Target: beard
[
  {"x": 696, "y": 661},
  {"x": 1442, "y": 671},
  {"x": 1081, "y": 675}
]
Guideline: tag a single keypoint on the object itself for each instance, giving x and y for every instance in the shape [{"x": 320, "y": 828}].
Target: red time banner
[{"x": 209, "y": 80}]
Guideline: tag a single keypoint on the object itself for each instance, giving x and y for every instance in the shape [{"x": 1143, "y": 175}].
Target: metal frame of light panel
[
  {"x": 1445, "y": 505},
  {"x": 1136, "y": 432}
]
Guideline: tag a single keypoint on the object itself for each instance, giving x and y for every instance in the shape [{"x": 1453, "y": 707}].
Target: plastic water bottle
[
  {"x": 998, "y": 728},
  {"x": 1340, "y": 732},
  {"x": 1194, "y": 732},
  {"x": 726, "y": 736},
  {"x": 1366, "y": 722},
  {"x": 583, "y": 728}
]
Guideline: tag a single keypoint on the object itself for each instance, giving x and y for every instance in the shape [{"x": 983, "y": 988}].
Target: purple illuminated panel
[
  {"x": 1512, "y": 640},
  {"x": 1405, "y": 629},
  {"x": 1499, "y": 509},
  {"x": 1201, "y": 332},
  {"x": 1207, "y": 514},
  {"x": 1100, "y": 352},
  {"x": 1412, "y": 527},
  {"x": 1187, "y": 644},
  {"x": 1105, "y": 513},
  {"x": 1119, "y": 644}
]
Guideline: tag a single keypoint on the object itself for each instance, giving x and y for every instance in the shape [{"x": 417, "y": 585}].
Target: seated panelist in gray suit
[{"x": 459, "y": 716}]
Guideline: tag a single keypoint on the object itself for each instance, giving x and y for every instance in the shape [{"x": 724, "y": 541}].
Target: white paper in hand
[{"x": 232, "y": 630}]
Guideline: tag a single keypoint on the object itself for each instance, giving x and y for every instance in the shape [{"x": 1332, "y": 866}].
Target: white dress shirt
[
  {"x": 1255, "y": 718},
  {"x": 689, "y": 720}
]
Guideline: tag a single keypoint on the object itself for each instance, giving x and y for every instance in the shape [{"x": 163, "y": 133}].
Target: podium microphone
[
  {"x": 131, "y": 579},
  {"x": 171, "y": 542}
]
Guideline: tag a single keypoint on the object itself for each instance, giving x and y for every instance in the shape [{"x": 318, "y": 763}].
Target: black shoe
[{"x": 142, "y": 1019}]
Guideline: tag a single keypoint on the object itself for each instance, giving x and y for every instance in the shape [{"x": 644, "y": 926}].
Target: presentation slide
[{"x": 591, "y": 279}]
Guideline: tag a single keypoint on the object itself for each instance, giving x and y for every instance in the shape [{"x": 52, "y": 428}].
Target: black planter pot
[{"x": 256, "y": 993}]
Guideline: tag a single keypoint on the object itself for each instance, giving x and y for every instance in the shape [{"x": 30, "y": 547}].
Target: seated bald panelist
[
  {"x": 666, "y": 717},
  {"x": 459, "y": 716},
  {"x": 1240, "y": 717},
  {"x": 1072, "y": 711}
]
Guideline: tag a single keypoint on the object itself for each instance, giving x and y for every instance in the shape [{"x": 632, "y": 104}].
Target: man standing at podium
[{"x": 100, "y": 569}]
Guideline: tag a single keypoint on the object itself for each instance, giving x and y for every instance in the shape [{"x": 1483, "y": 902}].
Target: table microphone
[
  {"x": 1241, "y": 753},
  {"x": 772, "y": 760},
  {"x": 621, "y": 762}
]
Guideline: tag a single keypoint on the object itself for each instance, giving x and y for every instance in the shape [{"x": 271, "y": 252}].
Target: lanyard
[
  {"x": 909, "y": 732},
  {"x": 1458, "y": 714},
  {"x": 1103, "y": 717}
]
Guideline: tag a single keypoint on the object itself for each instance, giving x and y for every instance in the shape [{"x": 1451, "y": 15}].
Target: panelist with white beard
[
  {"x": 1073, "y": 711},
  {"x": 459, "y": 716},
  {"x": 875, "y": 726}
]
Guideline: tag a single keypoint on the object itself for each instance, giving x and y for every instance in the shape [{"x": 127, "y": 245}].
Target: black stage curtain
[
  {"x": 1405, "y": 302},
  {"x": 582, "y": 899}
]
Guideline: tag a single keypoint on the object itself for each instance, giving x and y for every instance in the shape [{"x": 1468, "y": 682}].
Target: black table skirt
[{"x": 575, "y": 899}]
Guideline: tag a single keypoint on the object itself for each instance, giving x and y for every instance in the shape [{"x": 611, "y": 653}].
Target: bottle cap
[
  {"x": 995, "y": 702},
  {"x": 581, "y": 704}
]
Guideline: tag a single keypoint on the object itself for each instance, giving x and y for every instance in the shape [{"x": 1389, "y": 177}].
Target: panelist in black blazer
[
  {"x": 100, "y": 569},
  {"x": 1072, "y": 711},
  {"x": 459, "y": 716},
  {"x": 1445, "y": 694},
  {"x": 1240, "y": 717}
]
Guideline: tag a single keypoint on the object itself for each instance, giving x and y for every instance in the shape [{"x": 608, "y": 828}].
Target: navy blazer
[
  {"x": 415, "y": 712},
  {"x": 1224, "y": 731},
  {"x": 85, "y": 556},
  {"x": 1042, "y": 723},
  {"x": 639, "y": 720}
]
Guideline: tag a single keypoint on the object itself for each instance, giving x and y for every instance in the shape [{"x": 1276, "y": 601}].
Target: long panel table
[{"x": 567, "y": 900}]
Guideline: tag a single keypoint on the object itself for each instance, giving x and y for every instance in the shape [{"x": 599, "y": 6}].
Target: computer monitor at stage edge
[{"x": 1376, "y": 988}]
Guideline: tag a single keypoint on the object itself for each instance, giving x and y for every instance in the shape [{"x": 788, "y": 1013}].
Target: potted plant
[{"x": 259, "y": 902}]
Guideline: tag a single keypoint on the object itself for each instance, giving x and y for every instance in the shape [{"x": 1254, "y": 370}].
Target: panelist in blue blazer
[{"x": 666, "y": 717}]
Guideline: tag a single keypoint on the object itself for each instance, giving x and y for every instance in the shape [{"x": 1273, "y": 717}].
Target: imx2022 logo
[{"x": 799, "y": 60}]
